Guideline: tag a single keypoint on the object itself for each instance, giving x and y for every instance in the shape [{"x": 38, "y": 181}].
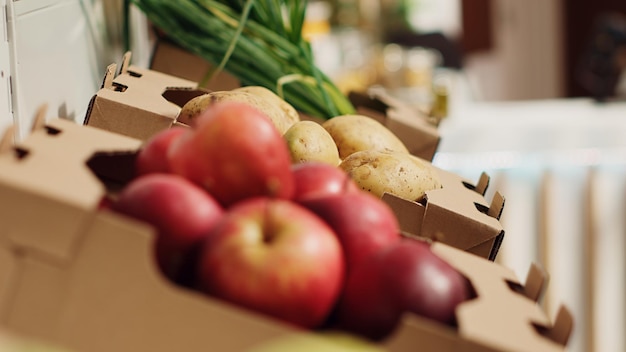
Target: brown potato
[
  {"x": 353, "y": 133},
  {"x": 309, "y": 141},
  {"x": 397, "y": 173},
  {"x": 198, "y": 104},
  {"x": 291, "y": 114}
]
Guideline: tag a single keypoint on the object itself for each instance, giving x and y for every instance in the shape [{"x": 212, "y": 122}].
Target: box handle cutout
[
  {"x": 52, "y": 131},
  {"x": 113, "y": 168},
  {"x": 481, "y": 208},
  {"x": 134, "y": 74},
  {"x": 119, "y": 87},
  {"x": 20, "y": 153},
  {"x": 516, "y": 287}
]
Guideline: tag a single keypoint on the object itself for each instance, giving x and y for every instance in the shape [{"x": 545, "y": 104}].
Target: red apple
[
  {"x": 315, "y": 179},
  {"x": 182, "y": 213},
  {"x": 363, "y": 222},
  {"x": 275, "y": 257},
  {"x": 152, "y": 157},
  {"x": 234, "y": 152},
  {"x": 404, "y": 277}
]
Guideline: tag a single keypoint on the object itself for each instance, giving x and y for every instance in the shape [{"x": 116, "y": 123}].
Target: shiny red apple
[
  {"x": 363, "y": 222},
  {"x": 316, "y": 179},
  {"x": 234, "y": 152},
  {"x": 404, "y": 277},
  {"x": 152, "y": 156},
  {"x": 182, "y": 213},
  {"x": 275, "y": 257}
]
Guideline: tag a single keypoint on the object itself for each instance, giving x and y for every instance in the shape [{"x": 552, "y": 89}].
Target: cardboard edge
[
  {"x": 496, "y": 246},
  {"x": 109, "y": 76},
  {"x": 536, "y": 282},
  {"x": 8, "y": 139},
  {"x": 482, "y": 184},
  {"x": 497, "y": 206},
  {"x": 410, "y": 214},
  {"x": 39, "y": 120},
  {"x": 90, "y": 106},
  {"x": 562, "y": 326},
  {"x": 125, "y": 62}
]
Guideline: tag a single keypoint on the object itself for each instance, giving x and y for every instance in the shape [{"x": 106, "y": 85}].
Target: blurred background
[{"x": 532, "y": 92}]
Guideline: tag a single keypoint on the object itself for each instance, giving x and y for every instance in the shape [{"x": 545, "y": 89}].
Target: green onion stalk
[{"x": 259, "y": 42}]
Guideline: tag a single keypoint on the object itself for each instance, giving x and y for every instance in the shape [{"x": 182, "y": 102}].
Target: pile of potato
[{"x": 374, "y": 157}]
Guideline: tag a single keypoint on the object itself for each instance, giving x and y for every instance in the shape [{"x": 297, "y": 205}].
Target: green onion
[{"x": 258, "y": 41}]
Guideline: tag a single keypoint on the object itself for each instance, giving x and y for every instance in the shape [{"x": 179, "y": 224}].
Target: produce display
[
  {"x": 368, "y": 151},
  {"x": 237, "y": 219}
]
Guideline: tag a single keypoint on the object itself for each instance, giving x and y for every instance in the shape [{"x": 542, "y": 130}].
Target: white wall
[
  {"x": 55, "y": 53},
  {"x": 525, "y": 62}
]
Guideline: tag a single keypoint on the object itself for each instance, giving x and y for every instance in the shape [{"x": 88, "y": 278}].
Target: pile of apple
[{"x": 238, "y": 220}]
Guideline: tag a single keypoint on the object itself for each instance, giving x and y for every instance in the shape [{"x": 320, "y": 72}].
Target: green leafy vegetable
[{"x": 259, "y": 42}]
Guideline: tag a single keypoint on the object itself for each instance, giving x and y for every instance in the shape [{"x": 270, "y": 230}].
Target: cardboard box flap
[
  {"x": 113, "y": 279},
  {"x": 500, "y": 316},
  {"x": 48, "y": 187},
  {"x": 536, "y": 282}
]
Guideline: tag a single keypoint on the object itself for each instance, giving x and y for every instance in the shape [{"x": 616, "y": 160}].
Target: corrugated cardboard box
[
  {"x": 137, "y": 102},
  {"x": 85, "y": 279},
  {"x": 456, "y": 214}
]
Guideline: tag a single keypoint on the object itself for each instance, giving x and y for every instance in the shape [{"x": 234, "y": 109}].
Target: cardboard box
[
  {"x": 11, "y": 342},
  {"x": 85, "y": 279},
  {"x": 456, "y": 214},
  {"x": 138, "y": 102}
]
